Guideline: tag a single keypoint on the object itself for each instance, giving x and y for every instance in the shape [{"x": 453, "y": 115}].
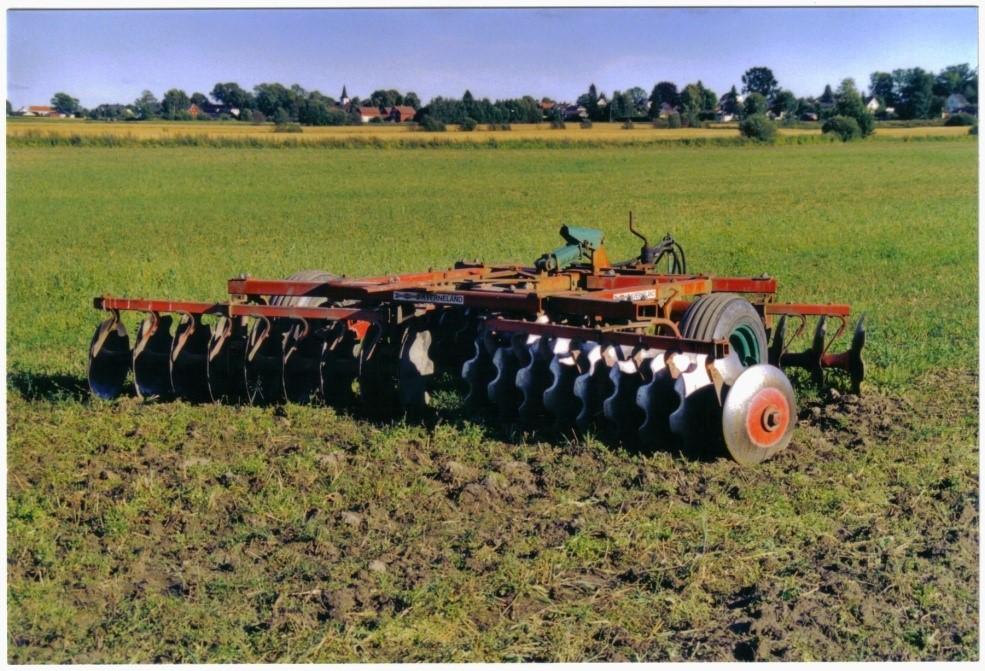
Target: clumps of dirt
[
  {"x": 856, "y": 421},
  {"x": 475, "y": 490}
]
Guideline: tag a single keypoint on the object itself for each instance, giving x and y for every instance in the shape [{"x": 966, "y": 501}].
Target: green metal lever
[{"x": 581, "y": 243}]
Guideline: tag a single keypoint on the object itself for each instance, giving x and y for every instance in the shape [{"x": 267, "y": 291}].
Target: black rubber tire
[{"x": 716, "y": 316}]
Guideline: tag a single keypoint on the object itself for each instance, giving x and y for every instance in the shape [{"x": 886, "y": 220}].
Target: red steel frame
[{"x": 624, "y": 294}]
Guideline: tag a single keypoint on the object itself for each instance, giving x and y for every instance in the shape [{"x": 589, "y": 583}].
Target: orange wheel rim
[{"x": 768, "y": 417}]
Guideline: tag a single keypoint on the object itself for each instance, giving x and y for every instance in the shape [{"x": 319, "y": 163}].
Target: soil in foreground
[{"x": 173, "y": 533}]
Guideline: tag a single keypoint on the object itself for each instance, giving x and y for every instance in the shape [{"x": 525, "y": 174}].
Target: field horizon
[{"x": 603, "y": 133}]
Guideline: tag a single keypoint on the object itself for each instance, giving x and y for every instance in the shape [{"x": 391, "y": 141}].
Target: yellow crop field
[{"x": 599, "y": 132}]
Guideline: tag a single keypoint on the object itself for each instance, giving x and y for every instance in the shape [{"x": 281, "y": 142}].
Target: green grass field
[{"x": 170, "y": 532}]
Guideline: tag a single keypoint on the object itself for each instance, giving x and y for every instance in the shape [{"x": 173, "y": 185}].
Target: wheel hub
[{"x": 767, "y": 417}]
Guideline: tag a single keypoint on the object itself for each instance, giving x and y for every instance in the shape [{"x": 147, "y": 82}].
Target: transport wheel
[
  {"x": 729, "y": 317},
  {"x": 305, "y": 301},
  {"x": 759, "y": 414}
]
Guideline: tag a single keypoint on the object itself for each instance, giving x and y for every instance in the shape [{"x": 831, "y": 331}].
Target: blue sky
[{"x": 111, "y": 56}]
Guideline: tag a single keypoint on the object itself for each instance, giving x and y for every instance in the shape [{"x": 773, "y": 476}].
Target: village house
[
  {"x": 212, "y": 110},
  {"x": 400, "y": 113},
  {"x": 40, "y": 110},
  {"x": 957, "y": 103},
  {"x": 367, "y": 114}
]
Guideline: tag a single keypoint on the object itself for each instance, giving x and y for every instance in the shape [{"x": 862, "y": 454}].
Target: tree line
[{"x": 911, "y": 93}]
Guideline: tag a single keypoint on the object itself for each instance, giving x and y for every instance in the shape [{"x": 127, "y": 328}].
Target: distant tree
[
  {"x": 639, "y": 99},
  {"x": 107, "y": 111},
  {"x": 882, "y": 88},
  {"x": 849, "y": 104},
  {"x": 828, "y": 96},
  {"x": 280, "y": 116},
  {"x": 173, "y": 103},
  {"x": 313, "y": 112},
  {"x": 784, "y": 103},
  {"x": 915, "y": 93},
  {"x": 954, "y": 79},
  {"x": 692, "y": 98},
  {"x": 844, "y": 127},
  {"x": 199, "y": 99},
  {"x": 429, "y": 123},
  {"x": 316, "y": 112},
  {"x": 268, "y": 98},
  {"x": 755, "y": 103},
  {"x": 806, "y": 106},
  {"x": 622, "y": 107},
  {"x": 65, "y": 104},
  {"x": 664, "y": 92},
  {"x": 759, "y": 80},
  {"x": 729, "y": 104},
  {"x": 10, "y": 109},
  {"x": 590, "y": 101},
  {"x": 616, "y": 110},
  {"x": 709, "y": 99},
  {"x": 758, "y": 126},
  {"x": 411, "y": 99},
  {"x": 231, "y": 94},
  {"x": 147, "y": 106},
  {"x": 388, "y": 98},
  {"x": 321, "y": 97}
]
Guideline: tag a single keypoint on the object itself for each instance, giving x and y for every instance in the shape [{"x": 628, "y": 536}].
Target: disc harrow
[{"x": 641, "y": 350}]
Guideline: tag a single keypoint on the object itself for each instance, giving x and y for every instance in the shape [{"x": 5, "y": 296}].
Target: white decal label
[
  {"x": 635, "y": 295},
  {"x": 413, "y": 297}
]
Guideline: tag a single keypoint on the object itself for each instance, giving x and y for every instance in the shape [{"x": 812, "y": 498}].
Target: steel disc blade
[
  {"x": 459, "y": 329},
  {"x": 697, "y": 423},
  {"x": 657, "y": 399},
  {"x": 620, "y": 407},
  {"x": 759, "y": 414},
  {"x": 226, "y": 358},
  {"x": 190, "y": 360},
  {"x": 478, "y": 371},
  {"x": 697, "y": 420},
  {"x": 263, "y": 367},
  {"x": 377, "y": 372},
  {"x": 415, "y": 370},
  {"x": 592, "y": 386},
  {"x": 730, "y": 367},
  {"x": 340, "y": 367},
  {"x": 109, "y": 359},
  {"x": 152, "y": 362},
  {"x": 301, "y": 368},
  {"x": 502, "y": 389},
  {"x": 533, "y": 379},
  {"x": 559, "y": 398}
]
